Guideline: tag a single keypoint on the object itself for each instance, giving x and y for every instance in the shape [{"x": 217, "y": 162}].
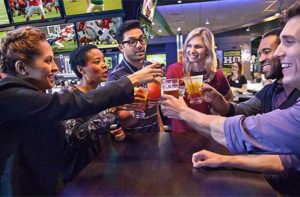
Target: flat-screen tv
[
  {"x": 27, "y": 11},
  {"x": 79, "y": 7},
  {"x": 100, "y": 32},
  {"x": 148, "y": 9},
  {"x": 3, "y": 14},
  {"x": 60, "y": 37},
  {"x": 3, "y": 32},
  {"x": 160, "y": 58}
]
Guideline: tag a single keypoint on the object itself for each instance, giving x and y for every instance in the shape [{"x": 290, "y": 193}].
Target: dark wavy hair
[{"x": 78, "y": 57}]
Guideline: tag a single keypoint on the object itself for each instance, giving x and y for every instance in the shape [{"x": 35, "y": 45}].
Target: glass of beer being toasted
[{"x": 170, "y": 87}]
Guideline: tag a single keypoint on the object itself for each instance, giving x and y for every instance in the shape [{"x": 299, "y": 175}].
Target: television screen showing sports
[
  {"x": 160, "y": 58},
  {"x": 60, "y": 37},
  {"x": 76, "y": 7},
  {"x": 3, "y": 14},
  {"x": 2, "y": 34},
  {"x": 100, "y": 32},
  {"x": 148, "y": 9},
  {"x": 34, "y": 10}
]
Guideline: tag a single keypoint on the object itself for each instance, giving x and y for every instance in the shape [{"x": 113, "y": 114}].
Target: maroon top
[{"x": 219, "y": 82}]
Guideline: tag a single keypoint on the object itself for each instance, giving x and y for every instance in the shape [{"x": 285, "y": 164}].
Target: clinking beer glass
[
  {"x": 170, "y": 87},
  {"x": 193, "y": 87}
]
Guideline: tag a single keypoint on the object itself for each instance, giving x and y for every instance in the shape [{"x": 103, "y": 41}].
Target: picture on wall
[
  {"x": 77, "y": 7},
  {"x": 34, "y": 10},
  {"x": 60, "y": 37},
  {"x": 229, "y": 57},
  {"x": 108, "y": 62},
  {"x": 100, "y": 32}
]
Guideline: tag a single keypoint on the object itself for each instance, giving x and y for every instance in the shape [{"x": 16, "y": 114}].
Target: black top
[
  {"x": 32, "y": 136},
  {"x": 237, "y": 83}
]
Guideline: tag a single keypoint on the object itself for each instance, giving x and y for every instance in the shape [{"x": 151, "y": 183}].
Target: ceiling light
[
  {"x": 159, "y": 30},
  {"x": 206, "y": 21},
  {"x": 248, "y": 29},
  {"x": 277, "y": 14},
  {"x": 179, "y": 1}
]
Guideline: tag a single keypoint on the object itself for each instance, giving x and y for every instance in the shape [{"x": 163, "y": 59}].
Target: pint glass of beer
[{"x": 170, "y": 87}]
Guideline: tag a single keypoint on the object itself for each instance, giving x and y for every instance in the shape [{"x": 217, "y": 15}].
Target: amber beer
[
  {"x": 172, "y": 91},
  {"x": 170, "y": 87}
]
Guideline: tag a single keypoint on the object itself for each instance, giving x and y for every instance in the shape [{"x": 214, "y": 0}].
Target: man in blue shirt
[
  {"x": 132, "y": 43},
  {"x": 276, "y": 131},
  {"x": 271, "y": 97}
]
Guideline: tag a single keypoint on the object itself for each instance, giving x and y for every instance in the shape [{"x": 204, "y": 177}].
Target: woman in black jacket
[{"x": 31, "y": 134}]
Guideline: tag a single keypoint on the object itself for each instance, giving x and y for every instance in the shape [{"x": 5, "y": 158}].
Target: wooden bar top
[{"x": 159, "y": 164}]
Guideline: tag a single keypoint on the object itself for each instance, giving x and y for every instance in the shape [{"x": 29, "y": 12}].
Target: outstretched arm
[
  {"x": 268, "y": 164},
  {"x": 209, "y": 125}
]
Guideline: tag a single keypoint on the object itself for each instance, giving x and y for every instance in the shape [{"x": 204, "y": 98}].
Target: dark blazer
[{"x": 32, "y": 137}]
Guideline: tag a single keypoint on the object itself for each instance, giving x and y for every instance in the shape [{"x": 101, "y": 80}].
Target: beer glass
[
  {"x": 193, "y": 87},
  {"x": 170, "y": 87}
]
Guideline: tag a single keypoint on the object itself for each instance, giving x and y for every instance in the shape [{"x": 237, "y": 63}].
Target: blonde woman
[{"x": 199, "y": 59}]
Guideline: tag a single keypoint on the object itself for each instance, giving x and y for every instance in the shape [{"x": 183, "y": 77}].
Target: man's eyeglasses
[{"x": 133, "y": 42}]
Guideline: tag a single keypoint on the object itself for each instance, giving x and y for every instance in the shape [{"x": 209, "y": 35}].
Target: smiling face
[
  {"x": 196, "y": 50},
  {"x": 289, "y": 52},
  {"x": 95, "y": 70},
  {"x": 270, "y": 64},
  {"x": 42, "y": 70}
]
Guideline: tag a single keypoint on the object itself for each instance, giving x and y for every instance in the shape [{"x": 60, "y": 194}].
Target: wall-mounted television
[
  {"x": 160, "y": 58},
  {"x": 100, "y": 32},
  {"x": 27, "y": 11},
  {"x": 80, "y": 7},
  {"x": 148, "y": 9},
  {"x": 2, "y": 34},
  {"x": 3, "y": 14},
  {"x": 60, "y": 37},
  {"x": 4, "y": 31}
]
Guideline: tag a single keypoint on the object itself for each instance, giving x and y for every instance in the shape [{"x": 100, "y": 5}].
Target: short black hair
[
  {"x": 274, "y": 32},
  {"x": 126, "y": 26},
  {"x": 78, "y": 57},
  {"x": 293, "y": 10}
]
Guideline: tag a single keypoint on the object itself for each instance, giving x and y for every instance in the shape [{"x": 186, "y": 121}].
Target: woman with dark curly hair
[{"x": 82, "y": 141}]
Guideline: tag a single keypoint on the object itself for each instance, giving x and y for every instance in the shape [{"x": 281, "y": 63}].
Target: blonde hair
[{"x": 210, "y": 62}]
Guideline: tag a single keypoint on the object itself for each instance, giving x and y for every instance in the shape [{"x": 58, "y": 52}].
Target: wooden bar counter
[{"x": 159, "y": 164}]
